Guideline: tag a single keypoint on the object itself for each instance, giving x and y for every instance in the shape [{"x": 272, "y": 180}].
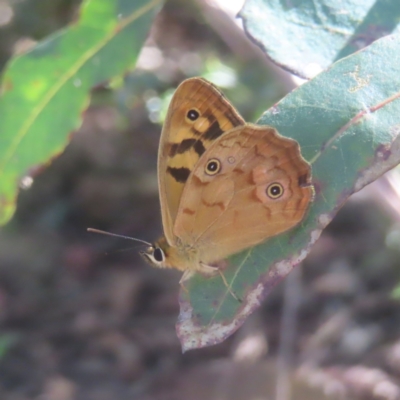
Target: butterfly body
[
  {"x": 179, "y": 256},
  {"x": 225, "y": 185}
]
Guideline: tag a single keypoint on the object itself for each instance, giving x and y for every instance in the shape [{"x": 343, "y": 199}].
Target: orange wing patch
[
  {"x": 197, "y": 116},
  {"x": 263, "y": 188}
]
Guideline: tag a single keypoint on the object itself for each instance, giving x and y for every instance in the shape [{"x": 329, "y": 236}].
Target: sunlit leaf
[
  {"x": 347, "y": 121},
  {"x": 306, "y": 36},
  {"x": 45, "y": 91}
]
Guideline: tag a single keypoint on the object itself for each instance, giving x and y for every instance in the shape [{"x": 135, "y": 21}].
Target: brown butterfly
[{"x": 225, "y": 185}]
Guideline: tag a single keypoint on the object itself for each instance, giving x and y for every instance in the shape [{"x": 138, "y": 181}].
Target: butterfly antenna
[{"x": 119, "y": 236}]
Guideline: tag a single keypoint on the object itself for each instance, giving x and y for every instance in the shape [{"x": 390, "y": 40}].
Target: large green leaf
[
  {"x": 45, "y": 90},
  {"x": 306, "y": 36},
  {"x": 347, "y": 121}
]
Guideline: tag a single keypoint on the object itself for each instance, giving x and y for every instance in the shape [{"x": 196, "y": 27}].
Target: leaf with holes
[{"x": 347, "y": 122}]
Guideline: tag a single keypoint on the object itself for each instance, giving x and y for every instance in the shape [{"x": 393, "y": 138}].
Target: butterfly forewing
[{"x": 198, "y": 116}]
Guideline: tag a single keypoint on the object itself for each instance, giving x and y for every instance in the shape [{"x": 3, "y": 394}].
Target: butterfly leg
[
  {"x": 209, "y": 270},
  {"x": 185, "y": 277}
]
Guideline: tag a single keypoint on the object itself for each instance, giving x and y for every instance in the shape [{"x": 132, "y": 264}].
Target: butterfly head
[
  {"x": 157, "y": 254},
  {"x": 162, "y": 255}
]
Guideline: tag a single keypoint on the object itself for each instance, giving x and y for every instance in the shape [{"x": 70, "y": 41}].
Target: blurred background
[{"x": 81, "y": 315}]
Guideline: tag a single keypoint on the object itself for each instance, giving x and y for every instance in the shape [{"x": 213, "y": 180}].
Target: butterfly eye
[
  {"x": 275, "y": 190},
  {"x": 193, "y": 114},
  {"x": 158, "y": 254},
  {"x": 213, "y": 166}
]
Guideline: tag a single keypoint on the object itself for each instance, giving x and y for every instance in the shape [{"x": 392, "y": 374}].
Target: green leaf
[
  {"x": 45, "y": 91},
  {"x": 306, "y": 36},
  {"x": 347, "y": 122}
]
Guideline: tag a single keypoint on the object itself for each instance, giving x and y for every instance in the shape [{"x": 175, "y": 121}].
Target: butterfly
[{"x": 224, "y": 185}]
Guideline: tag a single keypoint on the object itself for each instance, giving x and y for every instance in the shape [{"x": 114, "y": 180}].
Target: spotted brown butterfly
[{"x": 225, "y": 185}]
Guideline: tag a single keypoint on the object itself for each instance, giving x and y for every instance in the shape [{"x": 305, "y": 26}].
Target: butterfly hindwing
[
  {"x": 198, "y": 115},
  {"x": 262, "y": 187}
]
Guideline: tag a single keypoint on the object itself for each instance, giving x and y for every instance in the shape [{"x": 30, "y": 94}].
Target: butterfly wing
[
  {"x": 262, "y": 187},
  {"x": 198, "y": 115}
]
